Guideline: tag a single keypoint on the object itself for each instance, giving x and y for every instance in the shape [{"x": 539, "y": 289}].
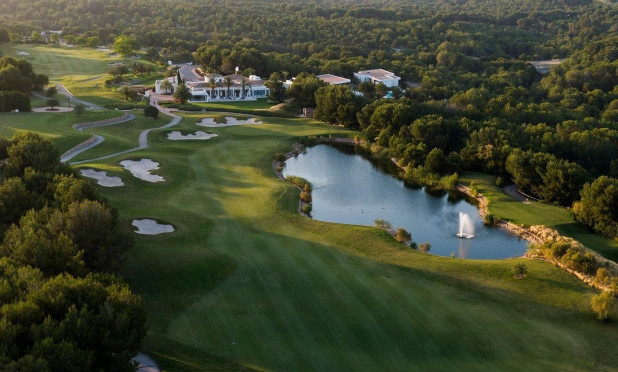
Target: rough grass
[
  {"x": 245, "y": 282},
  {"x": 535, "y": 213}
]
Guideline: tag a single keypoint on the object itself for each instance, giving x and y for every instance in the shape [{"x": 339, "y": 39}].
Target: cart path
[
  {"x": 95, "y": 139},
  {"x": 142, "y": 139}
]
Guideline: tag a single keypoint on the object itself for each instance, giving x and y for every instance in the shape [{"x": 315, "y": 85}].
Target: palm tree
[
  {"x": 213, "y": 85},
  {"x": 228, "y": 83},
  {"x": 127, "y": 92},
  {"x": 244, "y": 82},
  {"x": 166, "y": 86}
]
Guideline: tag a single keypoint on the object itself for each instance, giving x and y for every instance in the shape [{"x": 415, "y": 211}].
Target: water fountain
[{"x": 466, "y": 228}]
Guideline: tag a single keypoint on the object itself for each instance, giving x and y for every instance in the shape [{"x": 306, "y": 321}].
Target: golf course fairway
[{"x": 246, "y": 283}]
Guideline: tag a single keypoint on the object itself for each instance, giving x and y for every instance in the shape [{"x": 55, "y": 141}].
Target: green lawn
[
  {"x": 55, "y": 126},
  {"x": 507, "y": 208},
  {"x": 246, "y": 283},
  {"x": 260, "y": 104},
  {"x": 82, "y": 71},
  {"x": 58, "y": 61}
]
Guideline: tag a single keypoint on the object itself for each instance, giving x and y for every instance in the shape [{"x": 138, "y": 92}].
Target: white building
[
  {"x": 333, "y": 79},
  {"x": 214, "y": 88},
  {"x": 378, "y": 76},
  {"x": 172, "y": 81}
]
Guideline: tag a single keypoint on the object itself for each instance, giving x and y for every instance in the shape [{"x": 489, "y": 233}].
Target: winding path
[
  {"x": 65, "y": 92},
  {"x": 95, "y": 139},
  {"x": 142, "y": 140}
]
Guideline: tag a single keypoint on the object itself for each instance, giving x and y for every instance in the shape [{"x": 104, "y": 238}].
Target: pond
[{"x": 348, "y": 188}]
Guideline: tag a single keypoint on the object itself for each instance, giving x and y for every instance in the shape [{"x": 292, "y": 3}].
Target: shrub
[
  {"x": 280, "y": 156},
  {"x": 403, "y": 235},
  {"x": 473, "y": 190},
  {"x": 520, "y": 270},
  {"x": 10, "y": 101},
  {"x": 602, "y": 305},
  {"x": 490, "y": 220},
  {"x": 382, "y": 223},
  {"x": 307, "y": 208},
  {"x": 79, "y": 109},
  {"x": 424, "y": 247},
  {"x": 500, "y": 182},
  {"x": 305, "y": 196},
  {"x": 298, "y": 181},
  {"x": 602, "y": 277},
  {"x": 151, "y": 112},
  {"x": 579, "y": 260}
]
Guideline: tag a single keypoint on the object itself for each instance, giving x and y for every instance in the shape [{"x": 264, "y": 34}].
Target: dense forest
[
  {"x": 62, "y": 305},
  {"x": 470, "y": 100}
]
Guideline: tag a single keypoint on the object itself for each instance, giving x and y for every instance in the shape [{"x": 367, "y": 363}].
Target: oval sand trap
[
  {"x": 102, "y": 178},
  {"x": 141, "y": 169},
  {"x": 230, "y": 121},
  {"x": 147, "y": 226},
  {"x": 199, "y": 135}
]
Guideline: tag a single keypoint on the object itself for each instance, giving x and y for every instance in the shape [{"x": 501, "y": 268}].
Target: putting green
[{"x": 246, "y": 282}]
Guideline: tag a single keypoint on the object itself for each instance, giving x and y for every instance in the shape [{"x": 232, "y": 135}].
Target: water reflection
[{"x": 347, "y": 188}]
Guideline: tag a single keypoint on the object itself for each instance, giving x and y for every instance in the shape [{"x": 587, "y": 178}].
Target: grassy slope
[
  {"x": 83, "y": 71},
  {"x": 534, "y": 213},
  {"x": 55, "y": 126},
  {"x": 245, "y": 281}
]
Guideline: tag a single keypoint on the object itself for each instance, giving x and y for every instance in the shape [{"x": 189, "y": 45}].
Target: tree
[
  {"x": 119, "y": 69},
  {"x": 183, "y": 94},
  {"x": 336, "y": 104},
  {"x": 228, "y": 83},
  {"x": 30, "y": 150},
  {"x": 79, "y": 109},
  {"x": 151, "y": 112},
  {"x": 127, "y": 93},
  {"x": 519, "y": 270},
  {"x": 125, "y": 45},
  {"x": 402, "y": 235},
  {"x": 244, "y": 83},
  {"x": 436, "y": 161},
  {"x": 52, "y": 103},
  {"x": 303, "y": 89},
  {"x": 51, "y": 91},
  {"x": 277, "y": 91},
  {"x": 602, "y": 305},
  {"x": 166, "y": 86},
  {"x": 424, "y": 247},
  {"x": 94, "y": 230},
  {"x": 598, "y": 207},
  {"x": 212, "y": 83}
]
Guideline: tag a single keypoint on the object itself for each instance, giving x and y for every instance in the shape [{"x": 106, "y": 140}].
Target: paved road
[{"x": 65, "y": 92}]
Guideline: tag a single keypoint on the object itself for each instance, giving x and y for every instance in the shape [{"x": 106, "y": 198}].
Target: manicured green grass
[
  {"x": 120, "y": 137},
  {"x": 534, "y": 213},
  {"x": 58, "y": 61},
  {"x": 260, "y": 104},
  {"x": 245, "y": 282},
  {"x": 55, "y": 126}
]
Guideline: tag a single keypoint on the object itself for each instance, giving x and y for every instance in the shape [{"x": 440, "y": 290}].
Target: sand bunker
[
  {"x": 230, "y": 121},
  {"x": 21, "y": 53},
  {"x": 102, "y": 178},
  {"x": 151, "y": 227},
  {"x": 177, "y": 136},
  {"x": 141, "y": 169}
]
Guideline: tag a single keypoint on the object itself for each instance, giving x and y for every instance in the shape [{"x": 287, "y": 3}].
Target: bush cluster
[{"x": 10, "y": 101}]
